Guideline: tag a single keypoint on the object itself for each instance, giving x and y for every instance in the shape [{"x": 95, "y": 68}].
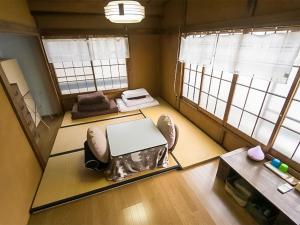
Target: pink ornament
[{"x": 256, "y": 153}]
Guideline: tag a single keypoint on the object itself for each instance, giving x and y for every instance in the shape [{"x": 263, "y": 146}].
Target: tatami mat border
[
  {"x": 67, "y": 152},
  {"x": 99, "y": 120},
  {"x": 99, "y": 190}
]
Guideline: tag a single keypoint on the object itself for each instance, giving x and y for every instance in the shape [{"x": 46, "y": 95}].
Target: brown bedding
[
  {"x": 91, "y": 98},
  {"x": 76, "y": 114}
]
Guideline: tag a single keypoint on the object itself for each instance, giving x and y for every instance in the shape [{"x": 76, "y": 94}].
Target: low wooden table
[
  {"x": 263, "y": 180},
  {"x": 133, "y": 136}
]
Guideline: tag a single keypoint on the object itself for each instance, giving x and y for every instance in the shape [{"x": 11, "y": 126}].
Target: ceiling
[{"x": 153, "y": 7}]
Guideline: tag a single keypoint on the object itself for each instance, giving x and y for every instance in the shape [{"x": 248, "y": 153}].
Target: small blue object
[{"x": 276, "y": 162}]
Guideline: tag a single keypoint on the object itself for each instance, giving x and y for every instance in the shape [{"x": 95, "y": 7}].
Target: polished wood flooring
[{"x": 190, "y": 196}]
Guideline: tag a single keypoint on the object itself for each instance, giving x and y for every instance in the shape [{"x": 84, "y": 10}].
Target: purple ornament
[{"x": 256, "y": 153}]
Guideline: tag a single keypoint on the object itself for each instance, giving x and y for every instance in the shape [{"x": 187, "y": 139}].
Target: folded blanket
[
  {"x": 135, "y": 93},
  {"x": 94, "y": 107},
  {"x": 91, "y": 98},
  {"x": 123, "y": 108},
  {"x": 133, "y": 102}
]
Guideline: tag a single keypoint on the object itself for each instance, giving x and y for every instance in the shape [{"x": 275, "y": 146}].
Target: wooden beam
[
  {"x": 283, "y": 19},
  {"x": 16, "y": 28},
  {"x": 81, "y": 7}
]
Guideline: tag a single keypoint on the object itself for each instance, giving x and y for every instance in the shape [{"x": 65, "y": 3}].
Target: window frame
[
  {"x": 71, "y": 95},
  {"x": 228, "y": 127}
]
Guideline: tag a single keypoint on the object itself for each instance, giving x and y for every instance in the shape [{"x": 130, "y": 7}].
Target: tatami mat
[
  {"x": 66, "y": 179},
  {"x": 73, "y": 137},
  {"x": 194, "y": 146},
  {"x": 67, "y": 120}
]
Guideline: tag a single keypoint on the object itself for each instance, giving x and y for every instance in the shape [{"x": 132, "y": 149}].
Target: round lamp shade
[{"x": 124, "y": 11}]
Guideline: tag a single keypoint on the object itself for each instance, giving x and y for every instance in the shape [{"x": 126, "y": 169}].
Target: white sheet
[
  {"x": 133, "y": 102},
  {"x": 135, "y": 93},
  {"x": 123, "y": 108}
]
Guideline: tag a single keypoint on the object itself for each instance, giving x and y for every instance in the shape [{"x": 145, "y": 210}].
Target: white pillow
[
  {"x": 97, "y": 142},
  {"x": 167, "y": 128}
]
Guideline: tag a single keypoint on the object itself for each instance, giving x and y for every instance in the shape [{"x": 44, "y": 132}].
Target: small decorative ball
[
  {"x": 276, "y": 162},
  {"x": 283, "y": 168}
]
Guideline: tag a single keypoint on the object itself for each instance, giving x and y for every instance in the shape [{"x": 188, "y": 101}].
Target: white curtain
[
  {"x": 109, "y": 48},
  {"x": 198, "y": 50},
  {"x": 227, "y": 52},
  {"x": 269, "y": 56},
  {"x": 66, "y": 50},
  {"x": 266, "y": 56}
]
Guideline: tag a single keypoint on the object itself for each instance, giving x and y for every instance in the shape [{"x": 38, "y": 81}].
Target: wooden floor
[
  {"x": 66, "y": 177},
  {"x": 189, "y": 196}
]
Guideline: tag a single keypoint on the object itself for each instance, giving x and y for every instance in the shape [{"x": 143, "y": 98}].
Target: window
[
  {"x": 288, "y": 140},
  {"x": 213, "y": 90},
  {"x": 84, "y": 65},
  {"x": 259, "y": 97}
]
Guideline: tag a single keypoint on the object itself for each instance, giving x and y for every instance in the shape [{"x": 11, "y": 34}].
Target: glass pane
[
  {"x": 191, "y": 93},
  {"x": 198, "y": 80},
  {"x": 220, "y": 109},
  {"x": 214, "y": 87},
  {"x": 247, "y": 123},
  {"x": 234, "y": 116},
  {"x": 184, "y": 90},
  {"x": 286, "y": 142},
  {"x": 254, "y": 101},
  {"x": 272, "y": 107},
  {"x": 260, "y": 84},
  {"x": 206, "y": 83},
  {"x": 211, "y": 104},
  {"x": 106, "y": 72},
  {"x": 263, "y": 131},
  {"x": 297, "y": 154},
  {"x": 186, "y": 76},
  {"x": 239, "y": 96},
  {"x": 292, "y": 119},
  {"x": 224, "y": 90},
  {"x": 244, "y": 80},
  {"x": 196, "y": 96},
  {"x": 203, "y": 100},
  {"x": 192, "y": 78},
  {"x": 115, "y": 71}
]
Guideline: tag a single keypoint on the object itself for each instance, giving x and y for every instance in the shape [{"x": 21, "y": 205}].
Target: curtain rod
[
  {"x": 242, "y": 29},
  {"x": 81, "y": 36}
]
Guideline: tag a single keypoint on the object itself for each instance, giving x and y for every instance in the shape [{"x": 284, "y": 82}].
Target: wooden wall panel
[
  {"x": 16, "y": 11},
  {"x": 19, "y": 170},
  {"x": 232, "y": 141},
  {"x": 264, "y": 7},
  {"x": 169, "y": 46},
  {"x": 145, "y": 62},
  {"x": 215, "y": 10},
  {"x": 209, "y": 126}
]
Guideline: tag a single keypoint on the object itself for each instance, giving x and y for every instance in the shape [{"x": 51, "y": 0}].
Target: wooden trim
[
  {"x": 49, "y": 67},
  {"x": 201, "y": 84},
  {"x": 284, "y": 111},
  {"x": 16, "y": 28},
  {"x": 195, "y": 106},
  {"x": 228, "y": 105},
  {"x": 99, "y": 32}
]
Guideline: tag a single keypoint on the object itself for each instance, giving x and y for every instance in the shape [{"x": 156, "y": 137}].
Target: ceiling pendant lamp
[{"x": 124, "y": 11}]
